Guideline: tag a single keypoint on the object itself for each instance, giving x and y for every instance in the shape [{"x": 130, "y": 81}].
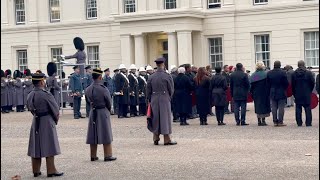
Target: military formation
[{"x": 162, "y": 96}]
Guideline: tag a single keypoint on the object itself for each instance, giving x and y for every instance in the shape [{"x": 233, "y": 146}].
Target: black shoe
[
  {"x": 55, "y": 174},
  {"x": 126, "y": 117},
  {"x": 201, "y": 123},
  {"x": 94, "y": 159},
  {"x": 171, "y": 143},
  {"x": 156, "y": 142},
  {"x": 82, "y": 117},
  {"x": 238, "y": 123},
  {"x": 299, "y": 125},
  {"x": 205, "y": 123},
  {"x": 76, "y": 118},
  {"x": 36, "y": 174},
  {"x": 187, "y": 124},
  {"x": 120, "y": 117},
  {"x": 176, "y": 120},
  {"x": 244, "y": 124},
  {"x": 110, "y": 158},
  {"x": 221, "y": 124},
  {"x": 308, "y": 125}
]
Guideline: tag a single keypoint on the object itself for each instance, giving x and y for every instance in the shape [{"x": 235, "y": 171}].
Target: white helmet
[
  {"x": 122, "y": 66},
  {"x": 172, "y": 66},
  {"x": 132, "y": 67},
  {"x": 149, "y": 68},
  {"x": 142, "y": 69}
]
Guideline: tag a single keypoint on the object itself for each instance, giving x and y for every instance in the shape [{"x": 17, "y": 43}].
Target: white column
[
  {"x": 172, "y": 49},
  {"x": 126, "y": 50},
  {"x": 140, "y": 55},
  {"x": 184, "y": 47}
]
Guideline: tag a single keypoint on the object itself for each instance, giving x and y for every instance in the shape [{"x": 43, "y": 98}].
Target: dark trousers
[
  {"x": 142, "y": 109},
  {"x": 203, "y": 116},
  {"x": 133, "y": 110},
  {"x": 115, "y": 104},
  {"x": 226, "y": 108},
  {"x": 20, "y": 108},
  {"x": 3, "y": 108},
  {"x": 76, "y": 106},
  {"x": 277, "y": 108},
  {"x": 308, "y": 112},
  {"x": 243, "y": 106},
  {"x": 220, "y": 113},
  {"x": 88, "y": 107},
  {"x": 183, "y": 117},
  {"x": 123, "y": 110}
]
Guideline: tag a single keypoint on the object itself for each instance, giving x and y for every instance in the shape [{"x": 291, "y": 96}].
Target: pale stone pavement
[{"x": 203, "y": 152}]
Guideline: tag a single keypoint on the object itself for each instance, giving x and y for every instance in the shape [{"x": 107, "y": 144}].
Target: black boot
[
  {"x": 264, "y": 122},
  {"x": 201, "y": 121},
  {"x": 259, "y": 122},
  {"x": 205, "y": 121}
]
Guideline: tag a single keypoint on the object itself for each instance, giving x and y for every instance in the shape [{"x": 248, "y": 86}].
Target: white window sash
[
  {"x": 91, "y": 9},
  {"x": 54, "y": 8}
]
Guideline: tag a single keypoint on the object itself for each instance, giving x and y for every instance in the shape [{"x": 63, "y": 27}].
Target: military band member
[
  {"x": 142, "y": 92},
  {"x": 159, "y": 93},
  {"x": 149, "y": 70},
  {"x": 4, "y": 93},
  {"x": 27, "y": 84},
  {"x": 76, "y": 88},
  {"x": 10, "y": 90},
  {"x": 52, "y": 82},
  {"x": 133, "y": 90},
  {"x": 86, "y": 83},
  {"x": 115, "y": 98},
  {"x": 43, "y": 141},
  {"x": 65, "y": 83},
  {"x": 122, "y": 92},
  {"x": 18, "y": 89},
  {"x": 99, "y": 128},
  {"x": 109, "y": 83}
]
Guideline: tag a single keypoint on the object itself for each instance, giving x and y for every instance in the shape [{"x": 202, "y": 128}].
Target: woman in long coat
[
  {"x": 182, "y": 91},
  {"x": 218, "y": 88},
  {"x": 260, "y": 94},
  {"x": 202, "y": 82}
]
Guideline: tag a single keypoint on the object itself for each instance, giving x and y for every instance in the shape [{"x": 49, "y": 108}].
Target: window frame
[
  {"x": 125, "y": 5},
  {"x": 262, "y": 52},
  {"x": 260, "y": 3},
  {"x": 221, "y": 52},
  {"x": 208, "y": 4},
  {"x": 97, "y": 53},
  {"x": 16, "y": 12},
  {"x": 314, "y": 49},
  {"x": 87, "y": 9},
  {"x": 166, "y": 2},
  {"x": 51, "y": 12},
  {"x": 23, "y": 58}
]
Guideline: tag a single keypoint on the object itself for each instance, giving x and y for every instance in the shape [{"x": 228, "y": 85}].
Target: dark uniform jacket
[
  {"x": 122, "y": 86},
  {"x": 133, "y": 89},
  {"x": 277, "y": 84},
  {"x": 75, "y": 83},
  {"x": 218, "y": 87},
  {"x": 142, "y": 89},
  {"x": 302, "y": 86},
  {"x": 182, "y": 90},
  {"x": 239, "y": 85}
]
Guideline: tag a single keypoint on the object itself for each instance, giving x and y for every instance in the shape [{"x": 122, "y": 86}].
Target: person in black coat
[
  {"x": 122, "y": 92},
  {"x": 174, "y": 74},
  {"x": 226, "y": 74},
  {"x": 302, "y": 87},
  {"x": 277, "y": 85},
  {"x": 317, "y": 84},
  {"x": 182, "y": 91},
  {"x": 202, "y": 83},
  {"x": 142, "y": 92},
  {"x": 260, "y": 94},
  {"x": 133, "y": 90},
  {"x": 218, "y": 87},
  {"x": 239, "y": 86}
]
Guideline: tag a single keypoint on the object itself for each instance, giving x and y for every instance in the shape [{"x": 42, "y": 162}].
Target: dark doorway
[{"x": 165, "y": 55}]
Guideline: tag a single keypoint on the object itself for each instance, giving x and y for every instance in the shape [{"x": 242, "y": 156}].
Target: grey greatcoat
[
  {"x": 99, "y": 127},
  {"x": 159, "y": 92},
  {"x": 11, "y": 93},
  {"x": 54, "y": 88},
  {"x": 44, "y": 143},
  {"x": 28, "y": 86},
  {"x": 65, "y": 83},
  {"x": 81, "y": 59},
  {"x": 18, "y": 96},
  {"x": 4, "y": 92}
]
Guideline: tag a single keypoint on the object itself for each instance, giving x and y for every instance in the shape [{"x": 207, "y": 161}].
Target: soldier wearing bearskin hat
[
  {"x": 4, "y": 93},
  {"x": 18, "y": 91},
  {"x": 10, "y": 90},
  {"x": 52, "y": 83},
  {"x": 27, "y": 84}
]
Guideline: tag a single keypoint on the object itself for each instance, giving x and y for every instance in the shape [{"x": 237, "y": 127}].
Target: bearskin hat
[
  {"x": 63, "y": 75},
  {"x": 2, "y": 73},
  {"x": 51, "y": 68},
  {"x": 8, "y": 72},
  {"x": 78, "y": 43},
  {"x": 27, "y": 72},
  {"x": 16, "y": 74}
]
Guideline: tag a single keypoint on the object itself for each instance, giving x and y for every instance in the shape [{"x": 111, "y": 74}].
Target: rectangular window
[
  {"x": 55, "y": 56},
  {"x": 22, "y": 59},
  {"x": 311, "y": 48},
  {"x": 215, "y": 49},
  {"x": 262, "y": 49},
  {"x": 170, "y": 4},
  {"x": 257, "y": 2},
  {"x": 92, "y": 11},
  {"x": 54, "y": 8},
  {"x": 129, "y": 6},
  {"x": 20, "y": 12},
  {"x": 214, "y": 4},
  {"x": 93, "y": 56}
]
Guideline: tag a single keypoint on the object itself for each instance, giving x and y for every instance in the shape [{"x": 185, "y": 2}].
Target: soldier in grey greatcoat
[
  {"x": 4, "y": 93},
  {"x": 159, "y": 93},
  {"x": 18, "y": 89},
  {"x": 52, "y": 83},
  {"x": 43, "y": 141},
  {"x": 10, "y": 90},
  {"x": 27, "y": 84},
  {"x": 99, "y": 127}
]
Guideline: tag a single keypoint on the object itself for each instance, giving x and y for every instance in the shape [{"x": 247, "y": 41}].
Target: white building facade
[{"x": 199, "y": 32}]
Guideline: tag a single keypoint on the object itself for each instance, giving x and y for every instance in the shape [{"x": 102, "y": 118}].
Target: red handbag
[
  {"x": 249, "y": 98},
  {"x": 314, "y": 100},
  {"x": 289, "y": 92},
  {"x": 228, "y": 92}
]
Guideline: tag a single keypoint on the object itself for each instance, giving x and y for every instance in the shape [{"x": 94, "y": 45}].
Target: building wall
[{"x": 236, "y": 22}]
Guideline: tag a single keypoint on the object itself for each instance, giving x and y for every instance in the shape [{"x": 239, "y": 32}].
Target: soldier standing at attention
[
  {"x": 99, "y": 128},
  {"x": 4, "y": 93},
  {"x": 18, "y": 87},
  {"x": 122, "y": 92},
  {"x": 159, "y": 92},
  {"x": 133, "y": 90},
  {"x": 28, "y": 86},
  {"x": 52, "y": 82},
  {"x": 142, "y": 92},
  {"x": 86, "y": 83},
  {"x": 43, "y": 141},
  {"x": 76, "y": 88}
]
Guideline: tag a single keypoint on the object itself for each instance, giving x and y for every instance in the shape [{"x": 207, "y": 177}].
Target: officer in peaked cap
[
  {"x": 43, "y": 141},
  {"x": 99, "y": 128},
  {"x": 159, "y": 92},
  {"x": 76, "y": 88}
]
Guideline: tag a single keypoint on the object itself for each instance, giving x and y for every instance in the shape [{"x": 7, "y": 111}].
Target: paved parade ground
[{"x": 203, "y": 152}]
